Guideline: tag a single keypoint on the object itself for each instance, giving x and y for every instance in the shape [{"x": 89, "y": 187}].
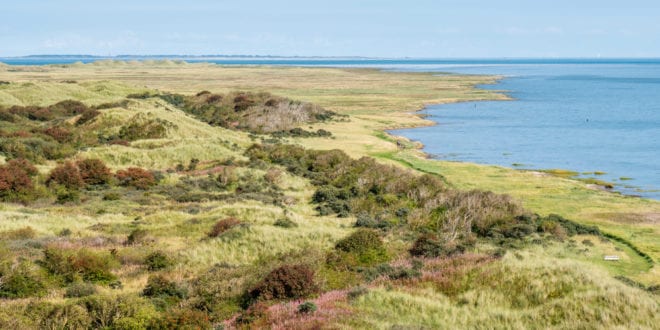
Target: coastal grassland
[
  {"x": 518, "y": 300},
  {"x": 633, "y": 219},
  {"x": 269, "y": 221}
]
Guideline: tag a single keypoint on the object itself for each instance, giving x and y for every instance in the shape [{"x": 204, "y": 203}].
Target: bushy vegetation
[
  {"x": 285, "y": 282},
  {"x": 16, "y": 180},
  {"x": 222, "y": 226},
  {"x": 323, "y": 240},
  {"x": 77, "y": 265},
  {"x": 253, "y": 112},
  {"x": 136, "y": 177}
]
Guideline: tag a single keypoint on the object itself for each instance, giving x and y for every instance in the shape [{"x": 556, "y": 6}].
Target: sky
[{"x": 411, "y": 28}]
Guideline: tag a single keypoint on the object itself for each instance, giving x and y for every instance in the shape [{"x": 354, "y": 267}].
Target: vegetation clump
[
  {"x": 136, "y": 177},
  {"x": 16, "y": 182},
  {"x": 285, "y": 282},
  {"x": 82, "y": 264},
  {"x": 223, "y": 226}
]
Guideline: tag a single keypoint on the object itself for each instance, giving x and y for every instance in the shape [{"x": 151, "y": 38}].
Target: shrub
[
  {"x": 307, "y": 307},
  {"x": 285, "y": 223},
  {"x": 159, "y": 285},
  {"x": 157, "y": 261},
  {"x": 117, "y": 311},
  {"x": 88, "y": 116},
  {"x": 285, "y": 282},
  {"x": 136, "y": 177},
  {"x": 182, "y": 319},
  {"x": 193, "y": 164},
  {"x": 272, "y": 175},
  {"x": 15, "y": 181},
  {"x": 94, "y": 171},
  {"x": 80, "y": 289},
  {"x": 59, "y": 134},
  {"x": 138, "y": 236},
  {"x": 222, "y": 226},
  {"x": 360, "y": 241},
  {"x": 111, "y": 196},
  {"x": 429, "y": 245},
  {"x": 66, "y": 317},
  {"x": 21, "y": 282},
  {"x": 81, "y": 264},
  {"x": 67, "y": 175},
  {"x": 67, "y": 196},
  {"x": 257, "y": 311}
]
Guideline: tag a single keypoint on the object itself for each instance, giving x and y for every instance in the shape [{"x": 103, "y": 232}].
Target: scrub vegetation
[{"x": 170, "y": 206}]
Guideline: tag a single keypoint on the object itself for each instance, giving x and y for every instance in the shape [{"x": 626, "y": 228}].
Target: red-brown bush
[
  {"x": 66, "y": 174},
  {"x": 285, "y": 282},
  {"x": 94, "y": 171},
  {"x": 15, "y": 178},
  {"x": 223, "y": 225},
  {"x": 61, "y": 135},
  {"x": 136, "y": 177}
]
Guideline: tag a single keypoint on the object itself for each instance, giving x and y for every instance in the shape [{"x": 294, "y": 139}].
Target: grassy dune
[{"x": 553, "y": 284}]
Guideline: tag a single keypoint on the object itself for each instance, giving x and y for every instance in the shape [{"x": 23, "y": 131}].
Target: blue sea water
[{"x": 584, "y": 115}]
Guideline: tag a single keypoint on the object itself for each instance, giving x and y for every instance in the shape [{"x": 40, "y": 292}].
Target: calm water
[{"x": 584, "y": 115}]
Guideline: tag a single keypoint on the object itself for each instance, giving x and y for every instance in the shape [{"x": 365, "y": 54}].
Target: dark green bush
[
  {"x": 285, "y": 282},
  {"x": 285, "y": 223},
  {"x": 307, "y": 307},
  {"x": 157, "y": 261},
  {"x": 360, "y": 241},
  {"x": 159, "y": 285},
  {"x": 21, "y": 282}
]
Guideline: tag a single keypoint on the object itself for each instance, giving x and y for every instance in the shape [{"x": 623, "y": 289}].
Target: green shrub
[
  {"x": 80, "y": 289},
  {"x": 307, "y": 307},
  {"x": 66, "y": 317},
  {"x": 158, "y": 285},
  {"x": 115, "y": 311},
  {"x": 432, "y": 246},
  {"x": 78, "y": 265},
  {"x": 21, "y": 282},
  {"x": 285, "y": 282},
  {"x": 360, "y": 241},
  {"x": 111, "y": 196},
  {"x": 285, "y": 223},
  {"x": 157, "y": 261}
]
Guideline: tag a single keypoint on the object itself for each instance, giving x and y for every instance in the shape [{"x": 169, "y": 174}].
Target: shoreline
[{"x": 616, "y": 188}]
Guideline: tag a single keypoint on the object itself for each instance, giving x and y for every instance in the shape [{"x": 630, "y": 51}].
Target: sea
[{"x": 597, "y": 117}]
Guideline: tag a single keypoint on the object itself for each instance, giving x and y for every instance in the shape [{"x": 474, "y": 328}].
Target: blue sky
[{"x": 441, "y": 28}]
